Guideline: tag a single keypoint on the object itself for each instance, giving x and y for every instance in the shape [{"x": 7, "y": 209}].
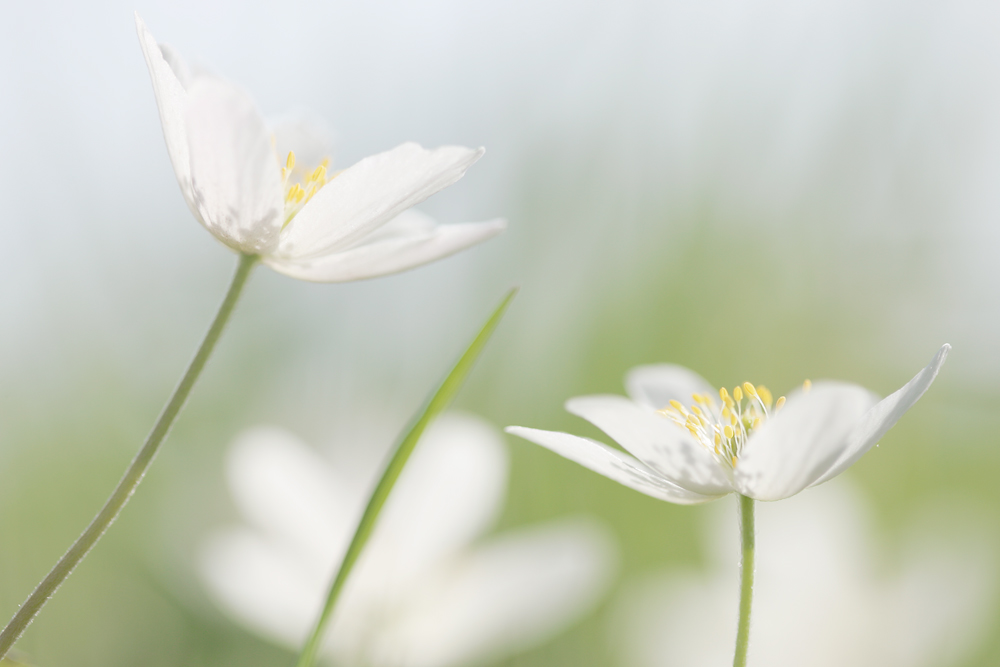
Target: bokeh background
[{"x": 764, "y": 190}]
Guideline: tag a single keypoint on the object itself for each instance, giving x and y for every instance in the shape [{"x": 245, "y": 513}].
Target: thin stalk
[
  {"x": 747, "y": 548},
  {"x": 437, "y": 403},
  {"x": 136, "y": 470}
]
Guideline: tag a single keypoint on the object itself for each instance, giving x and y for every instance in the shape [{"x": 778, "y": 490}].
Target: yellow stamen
[
  {"x": 290, "y": 161},
  {"x": 756, "y": 422},
  {"x": 749, "y": 389},
  {"x": 734, "y": 461},
  {"x": 728, "y": 430},
  {"x": 765, "y": 394},
  {"x": 806, "y": 386},
  {"x": 676, "y": 405},
  {"x": 723, "y": 394},
  {"x": 737, "y": 394},
  {"x": 780, "y": 403}
]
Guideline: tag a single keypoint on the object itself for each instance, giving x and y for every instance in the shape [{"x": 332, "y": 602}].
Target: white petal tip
[{"x": 939, "y": 358}]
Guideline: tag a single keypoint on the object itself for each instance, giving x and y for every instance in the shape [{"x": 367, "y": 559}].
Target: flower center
[
  {"x": 301, "y": 184},
  {"x": 723, "y": 428}
]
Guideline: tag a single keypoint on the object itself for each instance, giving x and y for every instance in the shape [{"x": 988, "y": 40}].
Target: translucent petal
[
  {"x": 304, "y": 133},
  {"x": 369, "y": 194},
  {"x": 409, "y": 242},
  {"x": 884, "y": 416},
  {"x": 171, "y": 100},
  {"x": 657, "y": 384},
  {"x": 656, "y": 441},
  {"x": 793, "y": 448},
  {"x": 236, "y": 184},
  {"x": 611, "y": 463}
]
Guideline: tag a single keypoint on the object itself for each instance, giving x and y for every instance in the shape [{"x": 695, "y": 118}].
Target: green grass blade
[{"x": 437, "y": 403}]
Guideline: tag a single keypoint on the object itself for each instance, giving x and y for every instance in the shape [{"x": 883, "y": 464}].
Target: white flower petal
[
  {"x": 656, "y": 441},
  {"x": 236, "y": 185},
  {"x": 451, "y": 491},
  {"x": 656, "y": 385},
  {"x": 171, "y": 100},
  {"x": 506, "y": 596},
  {"x": 304, "y": 133},
  {"x": 389, "y": 254},
  {"x": 884, "y": 416},
  {"x": 263, "y": 585},
  {"x": 793, "y": 448},
  {"x": 370, "y": 194},
  {"x": 611, "y": 463},
  {"x": 285, "y": 488}
]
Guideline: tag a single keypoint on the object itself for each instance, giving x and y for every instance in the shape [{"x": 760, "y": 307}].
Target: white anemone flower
[
  {"x": 723, "y": 442},
  {"x": 304, "y": 221},
  {"x": 827, "y": 593},
  {"x": 427, "y": 590}
]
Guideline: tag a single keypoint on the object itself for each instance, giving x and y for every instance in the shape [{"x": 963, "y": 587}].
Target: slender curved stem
[
  {"x": 747, "y": 548},
  {"x": 437, "y": 403},
  {"x": 136, "y": 470}
]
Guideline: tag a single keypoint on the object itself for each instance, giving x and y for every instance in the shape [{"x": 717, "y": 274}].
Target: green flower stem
[
  {"x": 747, "y": 544},
  {"x": 136, "y": 470},
  {"x": 438, "y": 402}
]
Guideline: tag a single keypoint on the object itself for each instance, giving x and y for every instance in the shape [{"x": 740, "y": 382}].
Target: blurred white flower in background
[
  {"x": 426, "y": 591},
  {"x": 742, "y": 443},
  {"x": 250, "y": 192},
  {"x": 824, "y": 595}
]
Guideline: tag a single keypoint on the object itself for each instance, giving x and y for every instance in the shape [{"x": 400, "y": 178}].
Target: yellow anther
[
  {"x": 726, "y": 412},
  {"x": 318, "y": 174},
  {"x": 734, "y": 461},
  {"x": 749, "y": 389},
  {"x": 723, "y": 395},
  {"x": 737, "y": 394},
  {"x": 807, "y": 385},
  {"x": 729, "y": 432},
  {"x": 290, "y": 161},
  {"x": 695, "y": 409},
  {"x": 765, "y": 394},
  {"x": 780, "y": 402},
  {"x": 756, "y": 422},
  {"x": 676, "y": 405},
  {"x": 292, "y": 192},
  {"x": 718, "y": 439}
]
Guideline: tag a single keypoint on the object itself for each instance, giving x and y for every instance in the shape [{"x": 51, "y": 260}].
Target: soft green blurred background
[{"x": 762, "y": 190}]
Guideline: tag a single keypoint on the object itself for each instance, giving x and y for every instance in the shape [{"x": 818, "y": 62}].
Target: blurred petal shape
[
  {"x": 822, "y": 598},
  {"x": 423, "y": 593}
]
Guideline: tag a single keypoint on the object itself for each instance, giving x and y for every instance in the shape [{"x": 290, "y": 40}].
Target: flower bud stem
[
  {"x": 747, "y": 549},
  {"x": 136, "y": 470}
]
